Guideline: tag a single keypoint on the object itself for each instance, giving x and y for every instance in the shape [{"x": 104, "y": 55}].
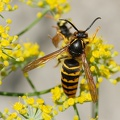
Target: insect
[
  {"x": 71, "y": 66},
  {"x": 64, "y": 29},
  {"x": 62, "y": 32}
]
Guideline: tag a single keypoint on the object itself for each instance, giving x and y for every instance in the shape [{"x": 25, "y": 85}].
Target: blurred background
[{"x": 82, "y": 13}]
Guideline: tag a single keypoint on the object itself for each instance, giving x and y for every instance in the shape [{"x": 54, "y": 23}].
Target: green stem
[
  {"x": 24, "y": 116},
  {"x": 1, "y": 115},
  {"x": 95, "y": 110},
  {"x": 76, "y": 111},
  {"x": 32, "y": 86},
  {"x": 33, "y": 23},
  {"x": 95, "y": 106},
  {"x": 1, "y": 16},
  {"x": 12, "y": 94},
  {"x": 8, "y": 55}
]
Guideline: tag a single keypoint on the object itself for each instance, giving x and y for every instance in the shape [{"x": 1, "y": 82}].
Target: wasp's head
[{"x": 81, "y": 34}]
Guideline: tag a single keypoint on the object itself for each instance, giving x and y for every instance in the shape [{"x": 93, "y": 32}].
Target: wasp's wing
[
  {"x": 43, "y": 60},
  {"x": 56, "y": 39},
  {"x": 91, "y": 84}
]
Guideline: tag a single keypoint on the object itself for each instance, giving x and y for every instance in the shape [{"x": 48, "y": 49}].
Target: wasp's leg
[
  {"x": 94, "y": 35},
  {"x": 61, "y": 58}
]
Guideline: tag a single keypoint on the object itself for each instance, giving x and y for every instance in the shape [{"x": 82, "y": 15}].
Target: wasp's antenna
[
  {"x": 70, "y": 23},
  {"x": 76, "y": 28},
  {"x": 92, "y": 23}
]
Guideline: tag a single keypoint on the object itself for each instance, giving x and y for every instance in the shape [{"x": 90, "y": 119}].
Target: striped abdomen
[{"x": 69, "y": 76}]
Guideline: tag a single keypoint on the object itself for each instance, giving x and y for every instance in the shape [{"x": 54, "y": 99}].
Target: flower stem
[
  {"x": 33, "y": 23},
  {"x": 95, "y": 106},
  {"x": 12, "y": 94},
  {"x": 95, "y": 110},
  {"x": 32, "y": 85},
  {"x": 76, "y": 111}
]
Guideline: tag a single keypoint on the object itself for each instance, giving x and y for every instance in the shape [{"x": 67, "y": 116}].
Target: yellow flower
[
  {"x": 39, "y": 14},
  {"x": 92, "y": 68},
  {"x": 4, "y": 35},
  {"x": 6, "y": 110},
  {"x": 104, "y": 71},
  {"x": 62, "y": 1},
  {"x": 1, "y": 29},
  {"x": 52, "y": 3},
  {"x": 30, "y": 49},
  {"x": 15, "y": 7},
  {"x": 2, "y": 6},
  {"x": 6, "y": 1},
  {"x": 6, "y": 63},
  {"x": 9, "y": 21},
  {"x": 9, "y": 7},
  {"x": 11, "y": 50},
  {"x": 21, "y": 58},
  {"x": 92, "y": 59},
  {"x": 100, "y": 79},
  {"x": 13, "y": 115},
  {"x": 6, "y": 6},
  {"x": 56, "y": 93},
  {"x": 64, "y": 97},
  {"x": 40, "y": 101},
  {"x": 40, "y": 3},
  {"x": 57, "y": 7},
  {"x": 113, "y": 81},
  {"x": 46, "y": 109},
  {"x": 88, "y": 97},
  {"x": 83, "y": 81},
  {"x": 76, "y": 117},
  {"x": 96, "y": 54},
  {"x": 115, "y": 53},
  {"x": 0, "y": 82},
  {"x": 71, "y": 101},
  {"x": 84, "y": 97},
  {"x": 7, "y": 28},
  {"x": 60, "y": 108},
  {"x": 55, "y": 112},
  {"x": 23, "y": 111},
  {"x": 29, "y": 2},
  {"x": 18, "y": 106},
  {"x": 81, "y": 99},
  {"x": 46, "y": 116},
  {"x": 30, "y": 101},
  {"x": 31, "y": 110}
]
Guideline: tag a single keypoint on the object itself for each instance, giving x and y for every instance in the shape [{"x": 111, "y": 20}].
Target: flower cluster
[
  {"x": 101, "y": 55},
  {"x": 13, "y": 54},
  {"x": 57, "y": 7},
  {"x": 30, "y": 109},
  {"x": 61, "y": 99},
  {"x": 62, "y": 102},
  {"x": 6, "y": 6}
]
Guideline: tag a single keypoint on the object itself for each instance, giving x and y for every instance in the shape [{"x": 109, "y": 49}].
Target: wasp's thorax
[{"x": 77, "y": 45}]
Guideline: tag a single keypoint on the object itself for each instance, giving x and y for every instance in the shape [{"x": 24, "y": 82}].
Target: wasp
[
  {"x": 71, "y": 67},
  {"x": 63, "y": 31}
]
